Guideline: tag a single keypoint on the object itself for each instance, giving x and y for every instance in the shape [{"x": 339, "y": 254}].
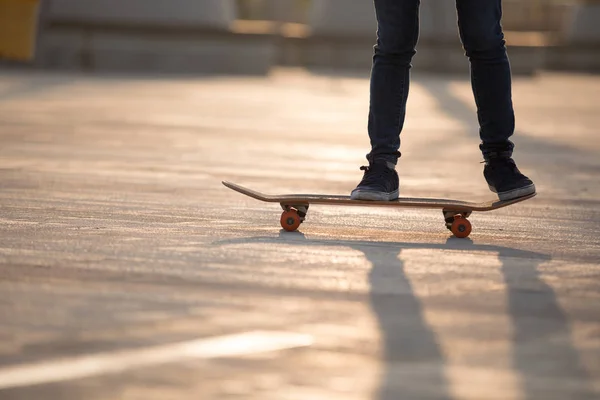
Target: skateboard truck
[
  {"x": 457, "y": 222},
  {"x": 293, "y": 216}
]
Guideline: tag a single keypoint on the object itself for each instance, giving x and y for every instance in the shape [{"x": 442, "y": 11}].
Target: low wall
[
  {"x": 180, "y": 36},
  {"x": 206, "y": 36},
  {"x": 212, "y": 14}
]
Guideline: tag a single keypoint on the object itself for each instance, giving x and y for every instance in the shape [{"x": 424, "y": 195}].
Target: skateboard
[{"x": 456, "y": 212}]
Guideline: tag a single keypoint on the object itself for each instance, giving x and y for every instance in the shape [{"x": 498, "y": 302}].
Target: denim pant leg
[
  {"x": 483, "y": 40},
  {"x": 397, "y": 35}
]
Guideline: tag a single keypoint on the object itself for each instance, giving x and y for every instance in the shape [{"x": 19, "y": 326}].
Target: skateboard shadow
[{"x": 414, "y": 363}]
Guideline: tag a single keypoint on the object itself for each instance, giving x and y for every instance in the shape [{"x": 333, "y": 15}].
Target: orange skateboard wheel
[
  {"x": 461, "y": 227},
  {"x": 290, "y": 220}
]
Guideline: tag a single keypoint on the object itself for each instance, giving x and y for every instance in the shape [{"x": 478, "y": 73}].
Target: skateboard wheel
[
  {"x": 461, "y": 227},
  {"x": 290, "y": 220}
]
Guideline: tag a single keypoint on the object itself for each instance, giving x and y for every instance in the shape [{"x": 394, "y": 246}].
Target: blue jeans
[{"x": 483, "y": 41}]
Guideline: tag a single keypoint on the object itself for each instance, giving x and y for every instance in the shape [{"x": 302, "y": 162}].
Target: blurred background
[
  {"x": 120, "y": 118},
  {"x": 253, "y": 36}
]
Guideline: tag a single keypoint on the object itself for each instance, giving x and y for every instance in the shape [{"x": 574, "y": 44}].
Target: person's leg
[
  {"x": 397, "y": 34},
  {"x": 483, "y": 40}
]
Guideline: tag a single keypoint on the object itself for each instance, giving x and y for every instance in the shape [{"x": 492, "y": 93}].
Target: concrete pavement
[{"x": 119, "y": 242}]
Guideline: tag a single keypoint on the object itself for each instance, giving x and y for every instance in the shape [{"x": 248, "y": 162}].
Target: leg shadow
[
  {"x": 413, "y": 361},
  {"x": 543, "y": 354}
]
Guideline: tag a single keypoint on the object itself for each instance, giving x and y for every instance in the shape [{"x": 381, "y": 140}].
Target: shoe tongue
[
  {"x": 388, "y": 164},
  {"x": 500, "y": 160}
]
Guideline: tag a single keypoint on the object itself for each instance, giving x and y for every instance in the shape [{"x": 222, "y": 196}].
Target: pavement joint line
[{"x": 252, "y": 342}]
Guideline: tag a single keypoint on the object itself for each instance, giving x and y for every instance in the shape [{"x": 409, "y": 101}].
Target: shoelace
[
  {"x": 505, "y": 166},
  {"x": 504, "y": 171},
  {"x": 381, "y": 172},
  {"x": 509, "y": 164}
]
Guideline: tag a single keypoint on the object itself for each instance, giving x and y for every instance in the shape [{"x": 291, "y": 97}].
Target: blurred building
[{"x": 252, "y": 36}]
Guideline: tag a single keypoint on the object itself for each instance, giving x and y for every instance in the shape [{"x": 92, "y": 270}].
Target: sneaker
[
  {"x": 505, "y": 179},
  {"x": 380, "y": 182}
]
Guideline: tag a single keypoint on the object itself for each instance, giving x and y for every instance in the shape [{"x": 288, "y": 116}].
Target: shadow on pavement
[{"x": 542, "y": 356}]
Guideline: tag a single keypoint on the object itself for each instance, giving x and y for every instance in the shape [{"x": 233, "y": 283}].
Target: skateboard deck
[{"x": 295, "y": 206}]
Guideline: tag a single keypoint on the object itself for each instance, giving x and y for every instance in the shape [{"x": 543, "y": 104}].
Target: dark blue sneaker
[
  {"x": 380, "y": 182},
  {"x": 505, "y": 179}
]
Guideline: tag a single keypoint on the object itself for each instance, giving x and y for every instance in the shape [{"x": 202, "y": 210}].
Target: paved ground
[{"x": 122, "y": 256}]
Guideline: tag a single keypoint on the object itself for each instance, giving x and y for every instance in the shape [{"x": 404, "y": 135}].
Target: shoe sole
[
  {"x": 515, "y": 193},
  {"x": 373, "y": 196}
]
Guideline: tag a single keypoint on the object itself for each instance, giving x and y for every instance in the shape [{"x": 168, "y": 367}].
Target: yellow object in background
[{"x": 18, "y": 29}]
